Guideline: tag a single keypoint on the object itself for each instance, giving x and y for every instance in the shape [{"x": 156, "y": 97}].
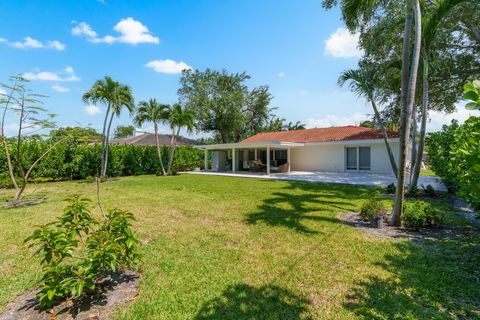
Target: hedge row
[
  {"x": 454, "y": 155},
  {"x": 79, "y": 161}
]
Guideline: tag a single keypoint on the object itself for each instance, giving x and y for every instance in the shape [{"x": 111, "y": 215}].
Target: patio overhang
[
  {"x": 247, "y": 145},
  {"x": 267, "y": 145}
]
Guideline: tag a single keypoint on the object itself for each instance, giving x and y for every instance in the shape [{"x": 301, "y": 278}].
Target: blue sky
[{"x": 295, "y": 47}]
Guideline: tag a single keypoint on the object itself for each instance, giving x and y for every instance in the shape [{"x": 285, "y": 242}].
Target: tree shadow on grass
[
  {"x": 243, "y": 301},
  {"x": 438, "y": 279},
  {"x": 316, "y": 202}
]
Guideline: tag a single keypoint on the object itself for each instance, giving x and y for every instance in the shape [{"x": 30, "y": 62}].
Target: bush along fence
[
  {"x": 454, "y": 155},
  {"x": 70, "y": 161}
]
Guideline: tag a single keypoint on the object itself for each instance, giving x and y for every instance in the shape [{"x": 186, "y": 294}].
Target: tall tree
[
  {"x": 362, "y": 84},
  {"x": 179, "y": 117},
  {"x": 115, "y": 96},
  {"x": 156, "y": 113},
  {"x": 124, "y": 131},
  {"x": 223, "y": 104}
]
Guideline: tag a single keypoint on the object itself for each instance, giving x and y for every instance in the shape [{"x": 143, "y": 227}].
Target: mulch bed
[
  {"x": 444, "y": 231},
  {"x": 115, "y": 290}
]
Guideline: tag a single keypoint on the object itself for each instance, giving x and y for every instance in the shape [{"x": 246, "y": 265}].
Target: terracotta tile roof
[
  {"x": 322, "y": 135},
  {"x": 148, "y": 139}
]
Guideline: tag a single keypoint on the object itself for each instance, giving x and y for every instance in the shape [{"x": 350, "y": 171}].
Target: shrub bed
[{"x": 78, "y": 161}]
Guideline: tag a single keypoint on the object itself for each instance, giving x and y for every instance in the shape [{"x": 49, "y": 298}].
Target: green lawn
[{"x": 236, "y": 248}]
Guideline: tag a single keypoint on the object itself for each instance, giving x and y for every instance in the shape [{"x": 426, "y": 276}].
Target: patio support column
[
  {"x": 288, "y": 159},
  {"x": 256, "y": 156},
  {"x": 206, "y": 158},
  {"x": 268, "y": 160},
  {"x": 233, "y": 160}
]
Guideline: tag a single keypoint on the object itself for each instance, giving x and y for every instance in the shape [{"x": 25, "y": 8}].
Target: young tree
[
  {"x": 23, "y": 104},
  {"x": 157, "y": 113},
  {"x": 124, "y": 131},
  {"x": 179, "y": 117},
  {"x": 115, "y": 96}
]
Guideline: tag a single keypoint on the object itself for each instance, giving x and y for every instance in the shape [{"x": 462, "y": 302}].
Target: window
[
  {"x": 251, "y": 154},
  {"x": 364, "y": 158},
  {"x": 352, "y": 158},
  {"x": 281, "y": 154},
  {"x": 358, "y": 158}
]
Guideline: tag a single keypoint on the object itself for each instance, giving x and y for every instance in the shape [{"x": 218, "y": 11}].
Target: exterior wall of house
[{"x": 332, "y": 158}]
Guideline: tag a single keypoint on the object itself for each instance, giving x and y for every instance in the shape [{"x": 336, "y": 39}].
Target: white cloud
[
  {"x": 167, "y": 66},
  {"x": 281, "y": 74},
  {"x": 83, "y": 29},
  {"x": 67, "y": 75},
  {"x": 438, "y": 119},
  {"x": 57, "y": 45},
  {"x": 29, "y": 42},
  {"x": 59, "y": 88},
  {"x": 343, "y": 44},
  {"x": 134, "y": 32},
  {"x": 334, "y": 120},
  {"x": 130, "y": 31},
  {"x": 92, "y": 110}
]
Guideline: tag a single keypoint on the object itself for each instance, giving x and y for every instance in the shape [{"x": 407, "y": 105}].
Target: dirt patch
[
  {"x": 115, "y": 290},
  {"x": 21, "y": 203},
  {"x": 444, "y": 231}
]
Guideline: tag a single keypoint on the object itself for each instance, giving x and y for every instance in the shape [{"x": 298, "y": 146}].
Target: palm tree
[
  {"x": 430, "y": 27},
  {"x": 362, "y": 84},
  {"x": 356, "y": 12},
  {"x": 115, "y": 96},
  {"x": 152, "y": 111},
  {"x": 179, "y": 117},
  {"x": 294, "y": 126}
]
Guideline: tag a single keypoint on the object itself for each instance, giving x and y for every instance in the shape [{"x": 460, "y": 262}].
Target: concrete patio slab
[{"x": 353, "y": 178}]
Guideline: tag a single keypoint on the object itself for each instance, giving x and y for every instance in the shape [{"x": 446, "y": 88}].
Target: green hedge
[
  {"x": 454, "y": 155},
  {"x": 79, "y": 161}
]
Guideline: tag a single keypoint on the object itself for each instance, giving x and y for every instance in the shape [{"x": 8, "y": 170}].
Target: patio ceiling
[{"x": 248, "y": 145}]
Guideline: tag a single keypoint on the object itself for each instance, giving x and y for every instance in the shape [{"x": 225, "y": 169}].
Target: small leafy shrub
[
  {"x": 413, "y": 192},
  {"x": 391, "y": 188},
  {"x": 76, "y": 250},
  {"x": 420, "y": 214},
  {"x": 90, "y": 179},
  {"x": 373, "y": 208},
  {"x": 429, "y": 191}
]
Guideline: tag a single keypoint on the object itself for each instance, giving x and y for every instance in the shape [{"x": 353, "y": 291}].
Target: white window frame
[{"x": 357, "y": 147}]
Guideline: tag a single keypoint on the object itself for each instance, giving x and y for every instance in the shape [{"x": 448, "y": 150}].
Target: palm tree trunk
[
  {"x": 385, "y": 137},
  {"x": 172, "y": 149},
  {"x": 413, "y": 156},
  {"x": 406, "y": 111},
  {"x": 423, "y": 125},
  {"x": 155, "y": 127},
  {"x": 104, "y": 139},
  {"x": 105, "y": 164}
]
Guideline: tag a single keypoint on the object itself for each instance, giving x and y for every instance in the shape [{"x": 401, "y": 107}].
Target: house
[
  {"x": 148, "y": 139},
  {"x": 334, "y": 149}
]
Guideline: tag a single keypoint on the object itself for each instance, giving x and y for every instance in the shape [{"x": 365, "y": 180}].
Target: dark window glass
[
  {"x": 351, "y": 158},
  {"x": 364, "y": 158}
]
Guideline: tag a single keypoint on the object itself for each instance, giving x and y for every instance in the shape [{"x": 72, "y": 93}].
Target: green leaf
[
  {"x": 51, "y": 294},
  {"x": 471, "y": 95},
  {"x": 468, "y": 87},
  {"x": 472, "y": 106},
  {"x": 476, "y": 84}
]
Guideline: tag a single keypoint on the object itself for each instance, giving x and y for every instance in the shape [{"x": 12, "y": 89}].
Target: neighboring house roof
[
  {"x": 344, "y": 133},
  {"x": 148, "y": 139}
]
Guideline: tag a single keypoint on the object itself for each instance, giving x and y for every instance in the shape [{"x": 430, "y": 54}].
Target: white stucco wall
[{"x": 331, "y": 157}]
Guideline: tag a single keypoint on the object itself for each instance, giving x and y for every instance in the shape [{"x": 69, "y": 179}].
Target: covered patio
[{"x": 254, "y": 158}]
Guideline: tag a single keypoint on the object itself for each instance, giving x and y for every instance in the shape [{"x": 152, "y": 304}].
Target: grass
[
  {"x": 236, "y": 248},
  {"x": 427, "y": 172}
]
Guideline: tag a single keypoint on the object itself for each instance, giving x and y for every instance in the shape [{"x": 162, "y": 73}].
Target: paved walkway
[{"x": 365, "y": 179}]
